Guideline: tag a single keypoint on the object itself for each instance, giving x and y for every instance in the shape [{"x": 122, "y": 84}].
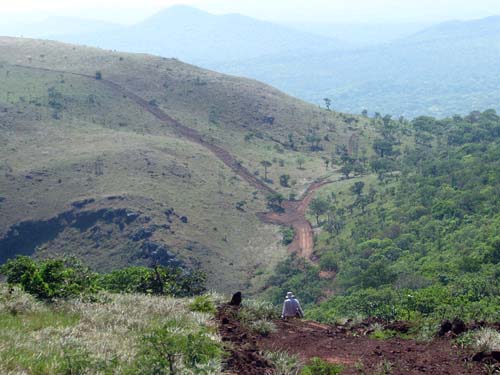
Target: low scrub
[{"x": 483, "y": 340}]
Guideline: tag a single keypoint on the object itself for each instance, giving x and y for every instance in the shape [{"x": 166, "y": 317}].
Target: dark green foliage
[
  {"x": 429, "y": 230},
  {"x": 317, "y": 366},
  {"x": 285, "y": 180},
  {"x": 288, "y": 235},
  {"x": 297, "y": 275},
  {"x": 50, "y": 279},
  {"x": 159, "y": 280},
  {"x": 328, "y": 262},
  {"x": 65, "y": 278},
  {"x": 274, "y": 202},
  {"x": 318, "y": 207}
]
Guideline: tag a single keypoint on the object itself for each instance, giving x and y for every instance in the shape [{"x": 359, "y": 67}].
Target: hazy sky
[{"x": 339, "y": 11}]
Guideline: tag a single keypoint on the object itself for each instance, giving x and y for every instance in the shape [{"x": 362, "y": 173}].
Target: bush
[
  {"x": 203, "y": 304},
  {"x": 170, "y": 350},
  {"x": 486, "y": 340},
  {"x": 51, "y": 279},
  {"x": 288, "y": 235},
  {"x": 317, "y": 366},
  {"x": 159, "y": 281},
  {"x": 284, "y": 363},
  {"x": 262, "y": 327},
  {"x": 253, "y": 310}
]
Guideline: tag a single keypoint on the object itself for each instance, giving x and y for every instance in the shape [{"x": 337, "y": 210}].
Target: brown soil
[
  {"x": 244, "y": 355},
  {"x": 349, "y": 346}
]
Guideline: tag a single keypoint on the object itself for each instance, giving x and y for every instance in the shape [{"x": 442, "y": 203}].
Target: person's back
[{"x": 291, "y": 307}]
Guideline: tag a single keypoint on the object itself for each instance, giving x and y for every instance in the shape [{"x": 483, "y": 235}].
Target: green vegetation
[
  {"x": 51, "y": 279},
  {"x": 158, "y": 280},
  {"x": 284, "y": 363},
  {"x": 417, "y": 238},
  {"x": 69, "y": 278},
  {"x": 317, "y": 366},
  {"x": 203, "y": 304},
  {"x": 257, "y": 316}
]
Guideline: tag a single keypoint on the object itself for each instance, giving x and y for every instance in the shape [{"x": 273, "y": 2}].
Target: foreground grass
[{"x": 78, "y": 337}]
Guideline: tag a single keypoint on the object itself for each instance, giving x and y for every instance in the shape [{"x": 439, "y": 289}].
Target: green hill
[{"x": 130, "y": 159}]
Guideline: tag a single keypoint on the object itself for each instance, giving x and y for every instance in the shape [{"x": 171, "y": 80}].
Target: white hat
[{"x": 289, "y": 295}]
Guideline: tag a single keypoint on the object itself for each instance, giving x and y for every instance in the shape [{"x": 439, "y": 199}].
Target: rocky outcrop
[{"x": 124, "y": 232}]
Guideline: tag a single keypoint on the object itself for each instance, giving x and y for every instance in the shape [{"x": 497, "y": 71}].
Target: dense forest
[{"x": 418, "y": 241}]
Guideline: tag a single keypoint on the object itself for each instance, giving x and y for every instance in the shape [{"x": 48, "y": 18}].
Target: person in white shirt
[{"x": 291, "y": 307}]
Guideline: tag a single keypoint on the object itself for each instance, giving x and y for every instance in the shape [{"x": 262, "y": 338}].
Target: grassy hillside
[{"x": 87, "y": 171}]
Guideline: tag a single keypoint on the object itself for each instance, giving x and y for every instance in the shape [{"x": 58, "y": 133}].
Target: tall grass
[{"x": 79, "y": 337}]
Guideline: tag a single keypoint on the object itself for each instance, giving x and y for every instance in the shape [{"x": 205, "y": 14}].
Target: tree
[
  {"x": 284, "y": 180},
  {"x": 274, "y": 202},
  {"x": 98, "y": 75},
  {"x": 364, "y": 113},
  {"x": 327, "y": 163},
  {"x": 291, "y": 141},
  {"x": 328, "y": 103},
  {"x": 318, "y": 207},
  {"x": 300, "y": 161},
  {"x": 382, "y": 147},
  {"x": 314, "y": 140},
  {"x": 347, "y": 169},
  {"x": 357, "y": 188},
  {"x": 266, "y": 164}
]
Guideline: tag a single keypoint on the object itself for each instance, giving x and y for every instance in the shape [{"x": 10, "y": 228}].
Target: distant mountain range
[
  {"x": 450, "y": 68},
  {"x": 198, "y": 37},
  {"x": 453, "y": 67}
]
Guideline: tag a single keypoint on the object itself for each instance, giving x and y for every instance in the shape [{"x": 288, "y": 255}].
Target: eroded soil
[{"x": 349, "y": 346}]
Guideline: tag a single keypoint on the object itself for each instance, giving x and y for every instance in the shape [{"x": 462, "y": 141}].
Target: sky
[{"x": 321, "y": 11}]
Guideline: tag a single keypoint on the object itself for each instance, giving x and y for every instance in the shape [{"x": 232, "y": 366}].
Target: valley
[{"x": 110, "y": 123}]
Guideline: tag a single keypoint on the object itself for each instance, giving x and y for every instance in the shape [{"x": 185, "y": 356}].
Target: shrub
[
  {"x": 262, "y": 327},
  {"x": 203, "y": 304},
  {"x": 486, "y": 340},
  {"x": 159, "y": 281},
  {"x": 171, "y": 350},
  {"x": 51, "y": 279},
  {"x": 317, "y": 366},
  {"x": 253, "y": 310},
  {"x": 284, "y": 363},
  {"x": 288, "y": 235}
]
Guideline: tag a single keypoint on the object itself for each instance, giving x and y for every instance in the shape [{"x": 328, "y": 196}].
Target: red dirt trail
[
  {"x": 350, "y": 347},
  {"x": 354, "y": 350},
  {"x": 293, "y": 211}
]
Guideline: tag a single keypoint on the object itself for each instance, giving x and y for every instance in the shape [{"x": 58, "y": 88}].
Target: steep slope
[{"x": 136, "y": 163}]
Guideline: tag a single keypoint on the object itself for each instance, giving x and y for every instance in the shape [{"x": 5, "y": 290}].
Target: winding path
[{"x": 293, "y": 211}]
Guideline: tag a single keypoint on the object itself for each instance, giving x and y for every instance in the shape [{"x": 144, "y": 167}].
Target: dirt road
[
  {"x": 294, "y": 215},
  {"x": 293, "y": 211}
]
